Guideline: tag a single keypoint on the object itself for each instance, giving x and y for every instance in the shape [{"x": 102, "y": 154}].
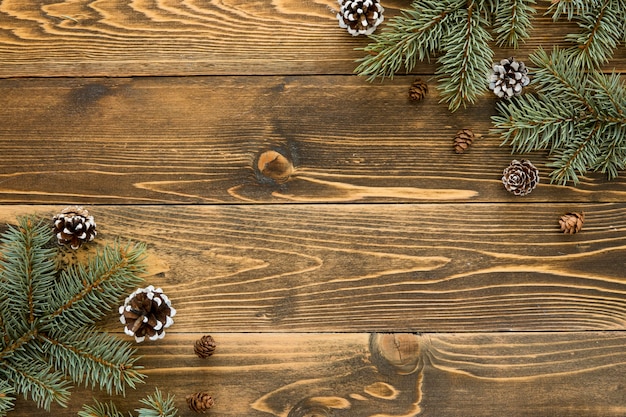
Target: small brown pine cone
[
  {"x": 572, "y": 222},
  {"x": 74, "y": 226},
  {"x": 520, "y": 177},
  {"x": 418, "y": 89},
  {"x": 199, "y": 402},
  {"x": 204, "y": 347},
  {"x": 463, "y": 140}
]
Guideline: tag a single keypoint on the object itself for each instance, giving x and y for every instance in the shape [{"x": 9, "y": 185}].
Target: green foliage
[
  {"x": 459, "y": 32},
  {"x": 602, "y": 28},
  {"x": 159, "y": 406},
  {"x": 577, "y": 115},
  {"x": 47, "y": 338}
]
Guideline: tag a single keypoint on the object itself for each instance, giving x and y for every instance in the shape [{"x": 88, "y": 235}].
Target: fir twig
[
  {"x": 47, "y": 316},
  {"x": 100, "y": 409},
  {"x": 159, "y": 406},
  {"x": 513, "y": 22},
  {"x": 578, "y": 116}
]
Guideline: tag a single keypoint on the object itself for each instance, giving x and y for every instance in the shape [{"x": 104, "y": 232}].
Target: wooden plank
[
  {"x": 345, "y": 268},
  {"x": 197, "y": 140},
  {"x": 445, "y": 375},
  {"x": 130, "y": 38}
]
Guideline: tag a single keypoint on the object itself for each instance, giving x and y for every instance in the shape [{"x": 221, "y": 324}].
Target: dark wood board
[
  {"x": 406, "y": 267},
  {"x": 196, "y": 140},
  {"x": 341, "y": 375},
  {"x": 165, "y": 38}
]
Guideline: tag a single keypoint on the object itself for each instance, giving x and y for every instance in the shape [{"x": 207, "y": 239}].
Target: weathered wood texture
[
  {"x": 434, "y": 268},
  {"x": 195, "y": 140},
  {"x": 323, "y": 375},
  {"x": 193, "y": 37}
]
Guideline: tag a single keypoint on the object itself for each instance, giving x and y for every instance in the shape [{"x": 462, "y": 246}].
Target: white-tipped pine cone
[
  {"x": 74, "y": 226},
  {"x": 509, "y": 78},
  {"x": 360, "y": 17},
  {"x": 520, "y": 177},
  {"x": 147, "y": 312}
]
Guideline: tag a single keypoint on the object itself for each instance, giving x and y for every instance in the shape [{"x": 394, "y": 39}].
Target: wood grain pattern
[
  {"x": 295, "y": 375},
  {"x": 423, "y": 267},
  {"x": 195, "y": 140},
  {"x": 195, "y": 37}
]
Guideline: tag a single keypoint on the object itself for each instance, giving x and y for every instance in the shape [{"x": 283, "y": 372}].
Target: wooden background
[{"x": 388, "y": 277}]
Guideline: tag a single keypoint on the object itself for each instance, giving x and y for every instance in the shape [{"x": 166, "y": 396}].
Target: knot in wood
[
  {"x": 398, "y": 353},
  {"x": 274, "y": 166}
]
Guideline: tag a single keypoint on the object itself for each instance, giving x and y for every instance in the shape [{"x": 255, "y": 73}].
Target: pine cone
[
  {"x": 418, "y": 89},
  {"x": 360, "y": 17},
  {"x": 520, "y": 177},
  {"x": 463, "y": 140},
  {"x": 205, "y": 346},
  {"x": 509, "y": 78},
  {"x": 572, "y": 222},
  {"x": 147, "y": 312},
  {"x": 199, "y": 402},
  {"x": 74, "y": 226}
]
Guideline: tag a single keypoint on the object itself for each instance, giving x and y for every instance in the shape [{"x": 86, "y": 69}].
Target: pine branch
[
  {"x": 159, "y": 406},
  {"x": 512, "y": 22},
  {"x": 6, "y": 397},
  {"x": 84, "y": 294},
  {"x": 96, "y": 358},
  {"x": 46, "y": 317},
  {"x": 464, "y": 66},
  {"x": 414, "y": 35},
  {"x": 100, "y": 410},
  {"x": 578, "y": 116},
  {"x": 571, "y": 8}
]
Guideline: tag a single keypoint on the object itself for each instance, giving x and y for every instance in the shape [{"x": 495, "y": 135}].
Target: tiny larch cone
[
  {"x": 418, "y": 89},
  {"x": 572, "y": 223},
  {"x": 204, "y": 347},
  {"x": 463, "y": 140},
  {"x": 199, "y": 402}
]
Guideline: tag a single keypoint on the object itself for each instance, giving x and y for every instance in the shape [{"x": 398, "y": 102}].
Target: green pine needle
[
  {"x": 578, "y": 116},
  {"x": 47, "y": 338},
  {"x": 513, "y": 22},
  {"x": 159, "y": 406},
  {"x": 100, "y": 410}
]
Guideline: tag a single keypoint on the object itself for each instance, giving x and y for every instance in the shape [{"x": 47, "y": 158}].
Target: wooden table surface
[{"x": 389, "y": 276}]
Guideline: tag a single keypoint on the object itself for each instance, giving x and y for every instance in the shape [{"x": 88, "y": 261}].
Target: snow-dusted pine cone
[
  {"x": 509, "y": 78},
  {"x": 520, "y": 177},
  {"x": 360, "y": 17},
  {"x": 572, "y": 222},
  {"x": 199, "y": 402},
  {"x": 147, "y": 312},
  {"x": 74, "y": 226}
]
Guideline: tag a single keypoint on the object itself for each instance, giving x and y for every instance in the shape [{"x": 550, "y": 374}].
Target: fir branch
[
  {"x": 159, "y": 406},
  {"x": 46, "y": 316},
  {"x": 414, "y": 35},
  {"x": 465, "y": 65},
  {"x": 571, "y": 8},
  {"x": 84, "y": 294},
  {"x": 100, "y": 410},
  {"x": 6, "y": 397},
  {"x": 578, "y": 116},
  {"x": 512, "y": 22},
  {"x": 98, "y": 359},
  {"x": 601, "y": 32}
]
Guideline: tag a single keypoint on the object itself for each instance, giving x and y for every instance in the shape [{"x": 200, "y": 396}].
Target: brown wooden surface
[{"x": 155, "y": 113}]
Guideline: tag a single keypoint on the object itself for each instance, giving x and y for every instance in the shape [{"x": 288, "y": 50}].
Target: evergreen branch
[
  {"x": 578, "y": 116},
  {"x": 83, "y": 295},
  {"x": 512, "y": 22},
  {"x": 35, "y": 377},
  {"x": 601, "y": 33},
  {"x": 100, "y": 410},
  {"x": 571, "y": 8},
  {"x": 159, "y": 406},
  {"x": 414, "y": 35},
  {"x": 6, "y": 397},
  {"x": 26, "y": 272},
  {"x": 465, "y": 65},
  {"x": 96, "y": 358}
]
